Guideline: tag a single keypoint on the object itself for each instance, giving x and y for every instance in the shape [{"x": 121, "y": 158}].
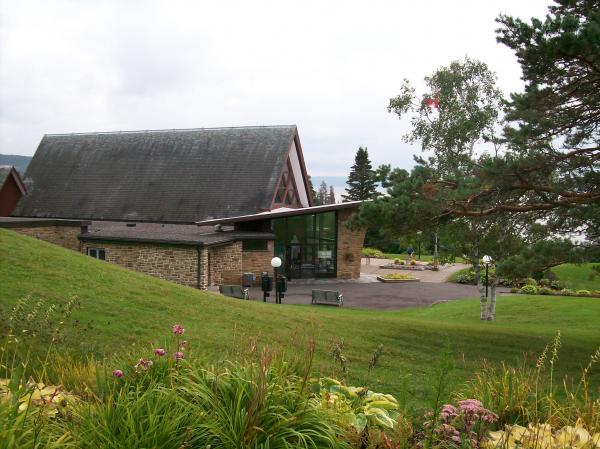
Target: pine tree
[
  {"x": 331, "y": 195},
  {"x": 313, "y": 193},
  {"x": 322, "y": 195},
  {"x": 361, "y": 181}
]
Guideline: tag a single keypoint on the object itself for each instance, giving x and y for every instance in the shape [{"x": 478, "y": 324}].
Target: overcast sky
[{"x": 328, "y": 67}]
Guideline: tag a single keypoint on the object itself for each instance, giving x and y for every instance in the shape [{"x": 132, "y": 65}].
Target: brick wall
[
  {"x": 173, "y": 263},
  {"x": 65, "y": 236},
  {"x": 258, "y": 261},
  {"x": 349, "y": 247},
  {"x": 226, "y": 264}
]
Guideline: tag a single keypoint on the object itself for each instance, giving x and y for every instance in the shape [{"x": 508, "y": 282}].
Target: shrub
[
  {"x": 372, "y": 252},
  {"x": 544, "y": 291},
  {"x": 545, "y": 282},
  {"x": 529, "y": 289},
  {"x": 567, "y": 292},
  {"x": 530, "y": 281},
  {"x": 514, "y": 290},
  {"x": 584, "y": 293},
  {"x": 557, "y": 285}
]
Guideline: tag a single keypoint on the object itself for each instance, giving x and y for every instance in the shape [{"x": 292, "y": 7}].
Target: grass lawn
[
  {"x": 128, "y": 308},
  {"x": 578, "y": 277}
]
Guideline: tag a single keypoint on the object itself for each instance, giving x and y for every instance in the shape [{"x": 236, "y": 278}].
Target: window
[
  {"x": 97, "y": 253},
  {"x": 254, "y": 245}
]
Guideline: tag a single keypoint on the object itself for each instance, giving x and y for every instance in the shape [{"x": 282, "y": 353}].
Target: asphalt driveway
[{"x": 377, "y": 295}]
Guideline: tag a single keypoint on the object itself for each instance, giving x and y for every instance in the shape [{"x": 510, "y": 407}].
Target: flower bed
[{"x": 397, "y": 278}]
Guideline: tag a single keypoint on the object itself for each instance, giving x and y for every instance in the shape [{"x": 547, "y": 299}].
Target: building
[
  {"x": 199, "y": 207},
  {"x": 11, "y": 189}
]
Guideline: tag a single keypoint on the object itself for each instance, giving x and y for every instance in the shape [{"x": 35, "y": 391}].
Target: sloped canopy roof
[{"x": 171, "y": 176}]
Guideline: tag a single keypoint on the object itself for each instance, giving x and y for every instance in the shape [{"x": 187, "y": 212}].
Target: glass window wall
[{"x": 307, "y": 244}]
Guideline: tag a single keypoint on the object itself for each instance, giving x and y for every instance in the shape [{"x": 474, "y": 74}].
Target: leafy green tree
[{"x": 361, "y": 180}]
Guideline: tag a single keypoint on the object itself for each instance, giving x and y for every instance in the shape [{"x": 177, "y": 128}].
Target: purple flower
[
  {"x": 178, "y": 355},
  {"x": 160, "y": 352},
  {"x": 178, "y": 329},
  {"x": 118, "y": 373}
]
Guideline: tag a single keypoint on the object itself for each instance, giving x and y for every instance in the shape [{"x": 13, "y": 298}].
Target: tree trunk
[
  {"x": 481, "y": 288},
  {"x": 492, "y": 309}
]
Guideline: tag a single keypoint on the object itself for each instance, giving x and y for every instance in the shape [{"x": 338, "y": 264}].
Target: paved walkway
[{"x": 425, "y": 275}]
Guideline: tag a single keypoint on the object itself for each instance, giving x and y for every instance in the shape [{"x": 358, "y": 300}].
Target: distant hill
[{"x": 20, "y": 162}]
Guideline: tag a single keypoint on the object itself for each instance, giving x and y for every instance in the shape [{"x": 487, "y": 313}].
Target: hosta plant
[
  {"x": 357, "y": 407},
  {"x": 542, "y": 436}
]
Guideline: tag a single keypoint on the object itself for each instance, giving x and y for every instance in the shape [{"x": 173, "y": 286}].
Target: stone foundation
[
  {"x": 62, "y": 233},
  {"x": 172, "y": 263},
  {"x": 258, "y": 261},
  {"x": 225, "y": 264}
]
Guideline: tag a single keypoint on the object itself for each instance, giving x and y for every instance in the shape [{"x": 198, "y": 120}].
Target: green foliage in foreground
[{"x": 120, "y": 308}]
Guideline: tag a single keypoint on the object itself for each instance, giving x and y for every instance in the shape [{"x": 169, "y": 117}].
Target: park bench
[
  {"x": 327, "y": 297},
  {"x": 235, "y": 291}
]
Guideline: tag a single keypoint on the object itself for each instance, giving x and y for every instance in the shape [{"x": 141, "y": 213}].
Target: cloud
[{"x": 329, "y": 67}]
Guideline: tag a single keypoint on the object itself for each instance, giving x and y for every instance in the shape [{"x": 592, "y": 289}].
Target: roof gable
[
  {"x": 9, "y": 171},
  {"x": 176, "y": 176}
]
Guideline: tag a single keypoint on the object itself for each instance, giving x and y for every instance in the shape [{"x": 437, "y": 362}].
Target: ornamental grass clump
[{"x": 524, "y": 394}]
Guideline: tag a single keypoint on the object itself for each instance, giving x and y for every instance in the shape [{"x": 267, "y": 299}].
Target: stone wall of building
[
  {"x": 225, "y": 264},
  {"x": 258, "y": 261},
  {"x": 173, "y": 263},
  {"x": 65, "y": 236},
  {"x": 349, "y": 247}
]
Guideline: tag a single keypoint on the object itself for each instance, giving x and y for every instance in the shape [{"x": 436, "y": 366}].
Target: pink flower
[
  {"x": 178, "y": 355},
  {"x": 178, "y": 329},
  {"x": 160, "y": 352},
  {"x": 489, "y": 417},
  {"x": 143, "y": 364},
  {"x": 448, "y": 411},
  {"x": 471, "y": 406},
  {"x": 118, "y": 373}
]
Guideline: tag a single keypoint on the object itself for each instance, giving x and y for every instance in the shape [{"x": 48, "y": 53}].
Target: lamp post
[
  {"x": 419, "y": 234},
  {"x": 276, "y": 263},
  {"x": 487, "y": 261}
]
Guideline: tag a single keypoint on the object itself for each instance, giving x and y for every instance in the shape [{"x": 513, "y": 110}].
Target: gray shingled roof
[
  {"x": 168, "y": 233},
  {"x": 172, "y": 176}
]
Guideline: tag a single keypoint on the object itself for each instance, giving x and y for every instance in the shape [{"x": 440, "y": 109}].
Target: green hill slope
[{"x": 128, "y": 308}]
